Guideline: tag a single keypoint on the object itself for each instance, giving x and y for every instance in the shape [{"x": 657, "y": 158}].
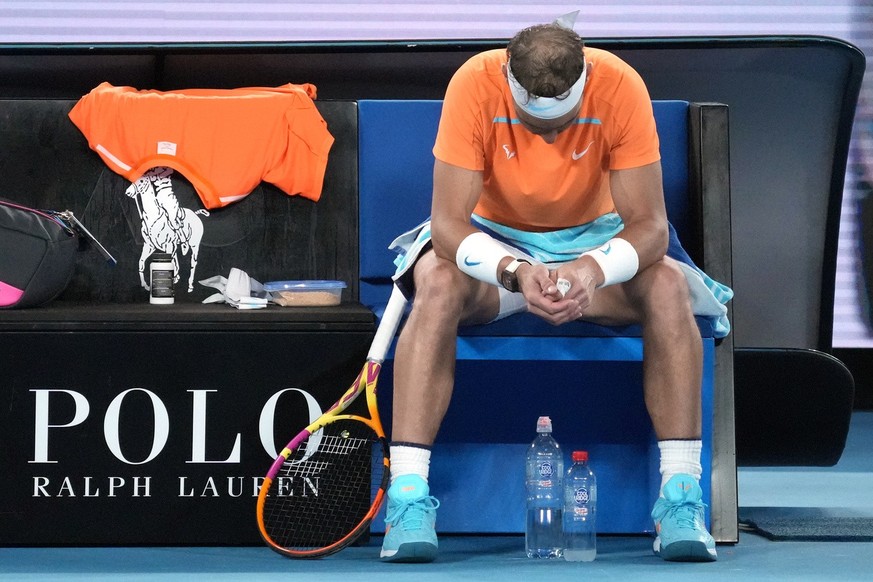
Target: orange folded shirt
[{"x": 224, "y": 141}]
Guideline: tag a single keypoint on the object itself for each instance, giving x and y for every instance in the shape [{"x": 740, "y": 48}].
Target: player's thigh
[
  {"x": 442, "y": 287},
  {"x": 661, "y": 286}
]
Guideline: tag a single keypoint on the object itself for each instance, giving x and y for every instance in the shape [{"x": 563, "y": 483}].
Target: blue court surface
[{"x": 843, "y": 490}]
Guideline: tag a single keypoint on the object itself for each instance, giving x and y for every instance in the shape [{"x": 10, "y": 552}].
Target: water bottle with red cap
[{"x": 580, "y": 510}]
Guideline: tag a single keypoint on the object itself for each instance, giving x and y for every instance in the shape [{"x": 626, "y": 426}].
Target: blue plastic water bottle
[{"x": 545, "y": 494}]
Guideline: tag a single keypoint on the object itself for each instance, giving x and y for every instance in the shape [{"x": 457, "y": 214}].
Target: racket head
[{"x": 327, "y": 491}]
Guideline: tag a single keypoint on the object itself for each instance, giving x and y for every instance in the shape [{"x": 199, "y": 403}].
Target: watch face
[{"x": 509, "y": 281}]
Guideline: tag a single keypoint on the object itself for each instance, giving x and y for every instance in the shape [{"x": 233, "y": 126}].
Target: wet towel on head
[
  {"x": 224, "y": 141},
  {"x": 708, "y": 297}
]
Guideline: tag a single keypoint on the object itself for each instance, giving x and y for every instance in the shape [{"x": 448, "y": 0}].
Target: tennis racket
[{"x": 325, "y": 487}]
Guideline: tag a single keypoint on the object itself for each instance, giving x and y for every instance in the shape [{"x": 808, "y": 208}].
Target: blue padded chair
[{"x": 587, "y": 377}]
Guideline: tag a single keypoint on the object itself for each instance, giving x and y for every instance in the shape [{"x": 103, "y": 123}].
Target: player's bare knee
[
  {"x": 440, "y": 284},
  {"x": 666, "y": 289}
]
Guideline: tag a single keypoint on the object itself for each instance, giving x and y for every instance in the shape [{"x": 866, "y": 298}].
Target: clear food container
[{"x": 305, "y": 293}]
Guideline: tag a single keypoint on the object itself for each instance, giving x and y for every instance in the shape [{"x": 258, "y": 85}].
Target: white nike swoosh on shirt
[{"x": 583, "y": 152}]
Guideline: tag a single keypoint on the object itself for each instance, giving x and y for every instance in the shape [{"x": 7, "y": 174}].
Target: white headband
[{"x": 546, "y": 107}]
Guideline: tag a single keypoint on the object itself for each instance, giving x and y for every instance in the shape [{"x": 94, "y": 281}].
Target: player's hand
[
  {"x": 543, "y": 297},
  {"x": 579, "y": 278}
]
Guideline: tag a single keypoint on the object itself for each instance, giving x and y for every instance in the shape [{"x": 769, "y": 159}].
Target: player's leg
[
  {"x": 658, "y": 299},
  {"x": 424, "y": 370},
  {"x": 672, "y": 372}
]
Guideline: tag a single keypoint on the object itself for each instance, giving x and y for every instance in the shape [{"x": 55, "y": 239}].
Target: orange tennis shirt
[
  {"x": 224, "y": 141},
  {"x": 532, "y": 185}
]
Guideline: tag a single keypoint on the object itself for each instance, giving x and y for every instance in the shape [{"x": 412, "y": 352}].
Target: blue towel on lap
[{"x": 708, "y": 297}]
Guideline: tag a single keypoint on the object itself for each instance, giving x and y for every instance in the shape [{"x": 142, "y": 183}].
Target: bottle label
[
  {"x": 162, "y": 283},
  {"x": 580, "y": 500},
  {"x": 546, "y": 470}
]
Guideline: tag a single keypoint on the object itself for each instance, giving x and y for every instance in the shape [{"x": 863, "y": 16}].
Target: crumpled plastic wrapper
[{"x": 237, "y": 290}]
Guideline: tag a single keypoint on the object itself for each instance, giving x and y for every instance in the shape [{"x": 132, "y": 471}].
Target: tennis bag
[{"x": 37, "y": 255}]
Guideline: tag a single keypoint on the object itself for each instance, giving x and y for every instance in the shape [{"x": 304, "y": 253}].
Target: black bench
[{"x": 165, "y": 415}]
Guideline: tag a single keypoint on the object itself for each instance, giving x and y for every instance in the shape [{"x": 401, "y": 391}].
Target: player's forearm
[
  {"x": 649, "y": 238},
  {"x": 447, "y": 235},
  {"x": 639, "y": 245}
]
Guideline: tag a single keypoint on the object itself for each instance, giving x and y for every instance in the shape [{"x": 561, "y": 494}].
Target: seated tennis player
[{"x": 548, "y": 198}]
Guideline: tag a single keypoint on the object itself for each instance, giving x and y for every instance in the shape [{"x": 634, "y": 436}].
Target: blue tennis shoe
[
  {"x": 679, "y": 523},
  {"x": 410, "y": 534}
]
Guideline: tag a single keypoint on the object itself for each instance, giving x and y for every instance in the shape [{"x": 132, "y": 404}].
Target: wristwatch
[{"x": 508, "y": 277}]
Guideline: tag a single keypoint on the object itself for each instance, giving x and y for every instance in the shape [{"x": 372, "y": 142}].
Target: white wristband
[
  {"x": 479, "y": 255},
  {"x": 618, "y": 260}
]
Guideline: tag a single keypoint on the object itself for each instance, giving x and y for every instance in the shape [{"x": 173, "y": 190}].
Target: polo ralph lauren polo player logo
[{"x": 166, "y": 226}]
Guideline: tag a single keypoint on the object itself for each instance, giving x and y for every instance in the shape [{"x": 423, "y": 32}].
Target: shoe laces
[
  {"x": 410, "y": 515},
  {"x": 684, "y": 514}
]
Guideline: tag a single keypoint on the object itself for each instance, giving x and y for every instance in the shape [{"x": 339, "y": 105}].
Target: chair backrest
[{"x": 395, "y": 164}]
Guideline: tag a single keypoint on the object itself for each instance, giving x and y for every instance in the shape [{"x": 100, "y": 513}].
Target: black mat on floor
[{"x": 807, "y": 524}]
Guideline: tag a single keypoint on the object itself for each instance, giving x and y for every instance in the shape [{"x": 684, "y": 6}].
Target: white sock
[
  {"x": 409, "y": 459},
  {"x": 680, "y": 456}
]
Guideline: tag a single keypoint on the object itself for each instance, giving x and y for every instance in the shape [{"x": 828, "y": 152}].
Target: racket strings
[
  {"x": 326, "y": 487},
  {"x": 341, "y": 444}
]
